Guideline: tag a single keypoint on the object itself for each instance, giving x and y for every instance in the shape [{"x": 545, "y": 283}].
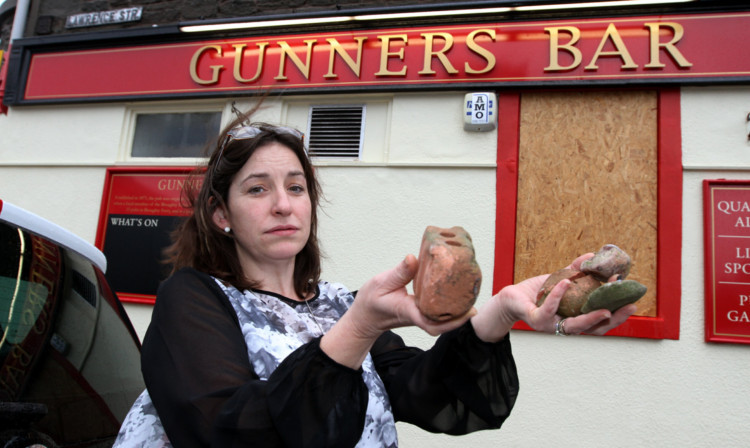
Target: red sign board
[
  {"x": 680, "y": 48},
  {"x": 140, "y": 208},
  {"x": 727, "y": 260}
]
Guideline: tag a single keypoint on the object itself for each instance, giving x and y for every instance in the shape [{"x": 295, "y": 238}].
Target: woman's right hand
[{"x": 383, "y": 303}]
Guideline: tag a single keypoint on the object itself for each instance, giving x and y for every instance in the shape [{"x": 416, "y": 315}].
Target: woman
[{"x": 248, "y": 347}]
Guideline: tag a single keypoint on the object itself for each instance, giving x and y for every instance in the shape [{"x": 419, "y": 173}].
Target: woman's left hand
[{"x": 518, "y": 302}]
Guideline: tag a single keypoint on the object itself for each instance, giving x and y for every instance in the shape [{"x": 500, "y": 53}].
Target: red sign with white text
[
  {"x": 680, "y": 48},
  {"x": 727, "y": 260},
  {"x": 140, "y": 208}
]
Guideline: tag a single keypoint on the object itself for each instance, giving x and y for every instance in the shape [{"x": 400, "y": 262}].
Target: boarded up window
[{"x": 588, "y": 177}]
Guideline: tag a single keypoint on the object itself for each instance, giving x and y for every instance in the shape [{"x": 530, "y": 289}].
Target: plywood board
[{"x": 588, "y": 177}]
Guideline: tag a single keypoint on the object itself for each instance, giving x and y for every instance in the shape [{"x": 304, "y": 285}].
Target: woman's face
[{"x": 268, "y": 207}]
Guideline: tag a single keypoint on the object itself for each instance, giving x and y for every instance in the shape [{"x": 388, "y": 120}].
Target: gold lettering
[
  {"x": 287, "y": 50},
  {"x": 555, "y": 47},
  {"x": 239, "y": 52},
  {"x": 429, "y": 53},
  {"x": 10, "y": 376},
  {"x": 170, "y": 184},
  {"x": 385, "y": 54},
  {"x": 24, "y": 358},
  {"x": 677, "y": 32},
  {"x": 36, "y": 297},
  {"x": 214, "y": 68},
  {"x": 337, "y": 48},
  {"x": 40, "y": 326},
  {"x": 483, "y": 52},
  {"x": 46, "y": 258},
  {"x": 621, "y": 50},
  {"x": 36, "y": 300},
  {"x": 8, "y": 392},
  {"x": 28, "y": 316}
]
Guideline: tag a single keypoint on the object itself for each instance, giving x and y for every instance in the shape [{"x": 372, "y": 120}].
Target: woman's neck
[{"x": 276, "y": 278}]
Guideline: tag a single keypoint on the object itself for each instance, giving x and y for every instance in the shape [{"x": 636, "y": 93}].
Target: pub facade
[{"x": 545, "y": 129}]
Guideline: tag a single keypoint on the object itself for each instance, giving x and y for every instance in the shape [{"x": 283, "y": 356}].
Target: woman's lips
[{"x": 283, "y": 230}]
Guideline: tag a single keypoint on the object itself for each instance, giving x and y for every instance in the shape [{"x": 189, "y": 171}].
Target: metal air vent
[{"x": 336, "y": 132}]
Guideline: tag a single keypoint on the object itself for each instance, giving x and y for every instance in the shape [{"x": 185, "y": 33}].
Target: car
[{"x": 69, "y": 355}]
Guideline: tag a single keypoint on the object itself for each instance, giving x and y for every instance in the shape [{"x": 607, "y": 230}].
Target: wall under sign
[{"x": 575, "y": 391}]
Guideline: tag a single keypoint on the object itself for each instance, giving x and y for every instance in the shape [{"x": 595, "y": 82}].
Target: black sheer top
[{"x": 197, "y": 372}]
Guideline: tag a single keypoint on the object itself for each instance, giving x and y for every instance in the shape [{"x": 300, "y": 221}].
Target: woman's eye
[
  {"x": 258, "y": 189},
  {"x": 297, "y": 189}
]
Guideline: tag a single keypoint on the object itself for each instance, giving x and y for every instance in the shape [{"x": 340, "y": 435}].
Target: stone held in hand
[
  {"x": 608, "y": 261},
  {"x": 581, "y": 285},
  {"x": 448, "y": 278},
  {"x": 614, "y": 295},
  {"x": 587, "y": 292}
]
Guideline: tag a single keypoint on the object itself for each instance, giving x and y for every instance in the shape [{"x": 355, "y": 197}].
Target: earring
[{"x": 227, "y": 229}]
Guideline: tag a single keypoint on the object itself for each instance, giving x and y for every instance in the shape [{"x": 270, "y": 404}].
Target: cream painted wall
[
  {"x": 57, "y": 135},
  {"x": 714, "y": 128},
  {"x": 575, "y": 392}
]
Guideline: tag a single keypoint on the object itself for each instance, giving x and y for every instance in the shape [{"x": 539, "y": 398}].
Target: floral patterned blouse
[{"x": 231, "y": 368}]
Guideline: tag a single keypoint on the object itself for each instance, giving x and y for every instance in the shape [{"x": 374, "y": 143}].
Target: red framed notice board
[
  {"x": 140, "y": 208},
  {"x": 727, "y": 260}
]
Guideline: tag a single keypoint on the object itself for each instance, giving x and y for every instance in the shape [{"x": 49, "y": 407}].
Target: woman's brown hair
[{"x": 200, "y": 244}]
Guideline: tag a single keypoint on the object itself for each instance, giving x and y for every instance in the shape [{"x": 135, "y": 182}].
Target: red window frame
[{"x": 666, "y": 323}]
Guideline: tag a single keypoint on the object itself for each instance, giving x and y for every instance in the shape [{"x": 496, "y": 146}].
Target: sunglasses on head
[{"x": 245, "y": 132}]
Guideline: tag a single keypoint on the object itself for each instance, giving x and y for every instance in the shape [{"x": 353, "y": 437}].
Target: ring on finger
[{"x": 560, "y": 328}]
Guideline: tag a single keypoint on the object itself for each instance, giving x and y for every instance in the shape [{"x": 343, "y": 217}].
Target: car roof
[{"x": 36, "y": 224}]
